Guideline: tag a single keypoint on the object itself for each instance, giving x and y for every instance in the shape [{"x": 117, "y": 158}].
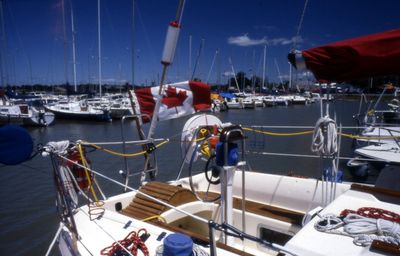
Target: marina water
[{"x": 28, "y": 219}]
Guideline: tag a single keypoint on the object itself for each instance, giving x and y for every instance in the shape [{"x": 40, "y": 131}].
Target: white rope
[
  {"x": 324, "y": 140},
  {"x": 364, "y": 230},
  {"x": 328, "y": 222},
  {"x": 138, "y": 142}
]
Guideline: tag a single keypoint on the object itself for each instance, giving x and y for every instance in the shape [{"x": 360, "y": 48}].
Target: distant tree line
[{"x": 245, "y": 83}]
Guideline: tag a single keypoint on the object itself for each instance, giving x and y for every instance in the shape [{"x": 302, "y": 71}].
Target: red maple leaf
[{"x": 172, "y": 98}]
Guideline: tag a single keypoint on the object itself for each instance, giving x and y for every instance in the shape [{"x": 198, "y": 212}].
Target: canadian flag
[{"x": 178, "y": 99}]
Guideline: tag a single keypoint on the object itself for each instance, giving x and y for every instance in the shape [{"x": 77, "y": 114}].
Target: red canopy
[{"x": 362, "y": 57}]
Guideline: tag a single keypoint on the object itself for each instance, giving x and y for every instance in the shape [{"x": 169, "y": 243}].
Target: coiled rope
[
  {"x": 132, "y": 242},
  {"x": 364, "y": 230},
  {"x": 324, "y": 140}
]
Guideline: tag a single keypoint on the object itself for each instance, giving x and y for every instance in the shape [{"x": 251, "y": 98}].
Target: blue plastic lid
[{"x": 177, "y": 245}]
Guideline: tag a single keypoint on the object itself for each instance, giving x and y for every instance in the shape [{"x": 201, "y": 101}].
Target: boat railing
[{"x": 256, "y": 133}]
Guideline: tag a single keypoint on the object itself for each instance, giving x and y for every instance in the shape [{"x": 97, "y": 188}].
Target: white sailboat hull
[{"x": 386, "y": 152}]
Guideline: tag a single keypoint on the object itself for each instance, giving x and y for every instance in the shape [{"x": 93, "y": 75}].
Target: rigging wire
[
  {"x": 146, "y": 34},
  {"x": 295, "y": 40},
  {"x": 198, "y": 58}
]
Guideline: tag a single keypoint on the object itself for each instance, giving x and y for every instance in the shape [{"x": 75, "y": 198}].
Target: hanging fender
[{"x": 78, "y": 171}]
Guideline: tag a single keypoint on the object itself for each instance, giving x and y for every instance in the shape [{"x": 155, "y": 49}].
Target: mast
[
  {"x": 171, "y": 41},
  {"x": 253, "y": 86},
  {"x": 263, "y": 74},
  {"x": 279, "y": 73},
  {"x": 198, "y": 57},
  {"x": 219, "y": 70},
  {"x": 3, "y": 57},
  {"x": 190, "y": 55},
  {"x": 290, "y": 76},
  {"x": 73, "y": 47},
  {"x": 65, "y": 43},
  {"x": 133, "y": 43},
  {"x": 212, "y": 65},
  {"x": 99, "y": 42},
  {"x": 234, "y": 75}
]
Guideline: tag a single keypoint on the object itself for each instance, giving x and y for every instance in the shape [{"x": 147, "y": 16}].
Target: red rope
[
  {"x": 131, "y": 243},
  {"x": 374, "y": 213}
]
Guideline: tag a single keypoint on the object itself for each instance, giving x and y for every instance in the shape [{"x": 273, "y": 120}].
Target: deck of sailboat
[{"x": 118, "y": 222}]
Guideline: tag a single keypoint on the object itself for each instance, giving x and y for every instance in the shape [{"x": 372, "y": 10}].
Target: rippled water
[{"x": 28, "y": 218}]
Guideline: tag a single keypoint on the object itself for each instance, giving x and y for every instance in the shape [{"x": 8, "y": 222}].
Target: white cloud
[
  {"x": 285, "y": 41},
  {"x": 245, "y": 40},
  {"x": 228, "y": 73}
]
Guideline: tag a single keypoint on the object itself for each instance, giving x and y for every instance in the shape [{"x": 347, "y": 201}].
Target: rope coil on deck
[
  {"x": 362, "y": 229},
  {"x": 132, "y": 242}
]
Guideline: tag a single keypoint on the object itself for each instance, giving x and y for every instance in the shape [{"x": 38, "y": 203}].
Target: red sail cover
[
  {"x": 177, "y": 100},
  {"x": 363, "y": 57}
]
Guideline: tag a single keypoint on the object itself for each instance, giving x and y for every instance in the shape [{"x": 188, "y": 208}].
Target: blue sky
[{"x": 34, "y": 50}]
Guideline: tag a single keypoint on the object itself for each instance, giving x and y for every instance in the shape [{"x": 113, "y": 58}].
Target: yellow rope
[
  {"x": 87, "y": 172},
  {"x": 122, "y": 154},
  {"x": 278, "y": 134},
  {"x": 155, "y": 217},
  {"x": 310, "y": 132}
]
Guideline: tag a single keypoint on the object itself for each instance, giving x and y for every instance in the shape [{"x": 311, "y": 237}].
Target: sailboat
[
  {"x": 23, "y": 113},
  {"x": 76, "y": 108},
  {"x": 225, "y": 209}
]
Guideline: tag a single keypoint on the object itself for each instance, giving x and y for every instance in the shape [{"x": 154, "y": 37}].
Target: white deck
[{"x": 309, "y": 241}]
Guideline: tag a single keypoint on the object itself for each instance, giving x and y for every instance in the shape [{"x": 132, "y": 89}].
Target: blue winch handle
[{"x": 229, "y": 135}]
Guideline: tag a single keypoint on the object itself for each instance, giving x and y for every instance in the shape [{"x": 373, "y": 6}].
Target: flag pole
[
  {"x": 171, "y": 41},
  {"x": 157, "y": 106}
]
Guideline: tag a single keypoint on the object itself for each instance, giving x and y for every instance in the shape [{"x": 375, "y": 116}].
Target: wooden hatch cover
[{"x": 142, "y": 207}]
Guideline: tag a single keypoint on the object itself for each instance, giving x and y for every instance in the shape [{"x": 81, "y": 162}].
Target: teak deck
[{"x": 142, "y": 207}]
